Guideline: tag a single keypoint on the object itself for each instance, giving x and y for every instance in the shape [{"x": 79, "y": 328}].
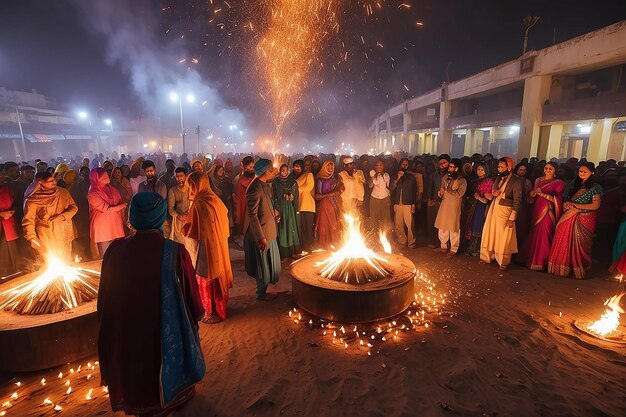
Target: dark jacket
[
  {"x": 513, "y": 192},
  {"x": 407, "y": 188},
  {"x": 259, "y": 222}
]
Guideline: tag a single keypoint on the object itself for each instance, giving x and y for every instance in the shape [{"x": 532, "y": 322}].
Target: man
[
  {"x": 48, "y": 212},
  {"x": 79, "y": 192},
  {"x": 169, "y": 176},
  {"x": 152, "y": 184},
  {"x": 148, "y": 308},
  {"x": 12, "y": 171},
  {"x": 405, "y": 192},
  {"x": 246, "y": 177},
  {"x": 306, "y": 205},
  {"x": 260, "y": 232},
  {"x": 499, "y": 240},
  {"x": 353, "y": 189},
  {"x": 433, "y": 202},
  {"x": 178, "y": 209},
  {"x": 380, "y": 199},
  {"x": 448, "y": 220},
  {"x": 41, "y": 166}
]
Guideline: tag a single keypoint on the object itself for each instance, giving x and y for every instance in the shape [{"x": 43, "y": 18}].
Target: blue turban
[
  {"x": 261, "y": 166},
  {"x": 147, "y": 211}
]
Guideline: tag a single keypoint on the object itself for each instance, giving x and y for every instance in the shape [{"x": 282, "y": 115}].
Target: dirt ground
[{"x": 504, "y": 345}]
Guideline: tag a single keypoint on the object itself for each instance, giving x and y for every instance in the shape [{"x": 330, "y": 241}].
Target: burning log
[{"x": 57, "y": 288}]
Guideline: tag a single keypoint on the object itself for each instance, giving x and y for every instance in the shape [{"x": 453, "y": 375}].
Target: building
[{"x": 567, "y": 100}]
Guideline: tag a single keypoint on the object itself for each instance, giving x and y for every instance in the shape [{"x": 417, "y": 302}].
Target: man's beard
[
  {"x": 443, "y": 170},
  {"x": 249, "y": 174},
  {"x": 453, "y": 175},
  {"x": 504, "y": 174},
  {"x": 150, "y": 178},
  {"x": 404, "y": 169}
]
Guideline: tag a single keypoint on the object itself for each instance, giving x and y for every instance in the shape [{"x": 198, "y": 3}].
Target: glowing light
[
  {"x": 354, "y": 262},
  {"x": 385, "y": 242},
  {"x": 609, "y": 321},
  {"x": 59, "y": 287},
  {"x": 173, "y": 96}
]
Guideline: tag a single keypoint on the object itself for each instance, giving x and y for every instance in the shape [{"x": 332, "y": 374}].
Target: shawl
[
  {"x": 323, "y": 172},
  {"x": 108, "y": 193},
  {"x": 60, "y": 170},
  {"x": 209, "y": 223}
]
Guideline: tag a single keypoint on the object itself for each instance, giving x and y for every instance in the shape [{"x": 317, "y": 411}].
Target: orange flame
[{"x": 609, "y": 322}]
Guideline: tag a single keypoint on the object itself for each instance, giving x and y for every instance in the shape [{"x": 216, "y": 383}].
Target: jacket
[{"x": 259, "y": 222}]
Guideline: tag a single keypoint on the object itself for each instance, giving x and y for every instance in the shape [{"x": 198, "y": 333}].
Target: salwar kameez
[{"x": 498, "y": 242}]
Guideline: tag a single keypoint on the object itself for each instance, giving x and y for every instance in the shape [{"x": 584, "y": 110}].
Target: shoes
[
  {"x": 450, "y": 254},
  {"x": 504, "y": 267},
  {"x": 442, "y": 250}
]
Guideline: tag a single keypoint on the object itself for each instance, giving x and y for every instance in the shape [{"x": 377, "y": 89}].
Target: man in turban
[
  {"x": 148, "y": 308},
  {"x": 448, "y": 220},
  {"x": 259, "y": 229},
  {"x": 499, "y": 240}
]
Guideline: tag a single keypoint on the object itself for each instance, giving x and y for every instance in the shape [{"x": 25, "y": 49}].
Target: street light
[
  {"x": 174, "y": 96},
  {"x": 82, "y": 115}
]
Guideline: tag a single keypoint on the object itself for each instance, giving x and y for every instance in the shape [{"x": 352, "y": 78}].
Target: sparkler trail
[{"x": 288, "y": 48}]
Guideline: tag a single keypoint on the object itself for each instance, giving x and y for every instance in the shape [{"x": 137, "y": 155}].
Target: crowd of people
[{"x": 553, "y": 216}]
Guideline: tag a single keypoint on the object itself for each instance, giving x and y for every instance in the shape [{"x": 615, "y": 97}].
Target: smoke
[{"x": 131, "y": 29}]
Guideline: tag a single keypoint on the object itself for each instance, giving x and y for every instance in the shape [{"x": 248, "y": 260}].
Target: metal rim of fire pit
[
  {"x": 353, "y": 303},
  {"x": 583, "y": 328}
]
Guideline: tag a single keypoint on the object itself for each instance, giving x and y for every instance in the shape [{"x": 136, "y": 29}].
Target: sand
[{"x": 504, "y": 346}]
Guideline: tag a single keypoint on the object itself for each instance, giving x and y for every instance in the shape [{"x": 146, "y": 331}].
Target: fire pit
[
  {"x": 608, "y": 327},
  {"x": 48, "y": 317},
  {"x": 354, "y": 284}
]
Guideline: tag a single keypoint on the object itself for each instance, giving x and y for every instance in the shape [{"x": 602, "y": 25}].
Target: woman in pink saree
[
  {"x": 547, "y": 193},
  {"x": 571, "y": 246}
]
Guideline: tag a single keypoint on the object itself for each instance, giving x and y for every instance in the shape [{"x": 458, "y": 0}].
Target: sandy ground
[{"x": 505, "y": 346}]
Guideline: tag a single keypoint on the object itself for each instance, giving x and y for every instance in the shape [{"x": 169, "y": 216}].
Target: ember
[{"x": 58, "y": 287}]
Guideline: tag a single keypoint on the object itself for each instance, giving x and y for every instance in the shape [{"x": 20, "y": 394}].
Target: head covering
[
  {"x": 509, "y": 162},
  {"x": 69, "y": 177},
  {"x": 198, "y": 161},
  {"x": 60, "y": 170},
  {"x": 456, "y": 162},
  {"x": 261, "y": 166},
  {"x": 147, "y": 211},
  {"x": 107, "y": 192},
  {"x": 323, "y": 174},
  {"x": 347, "y": 160}
]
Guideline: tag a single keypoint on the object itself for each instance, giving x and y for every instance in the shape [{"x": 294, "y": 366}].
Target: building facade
[{"x": 567, "y": 100}]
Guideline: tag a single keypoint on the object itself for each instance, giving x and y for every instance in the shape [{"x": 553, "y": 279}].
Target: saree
[
  {"x": 571, "y": 246},
  {"x": 536, "y": 248},
  {"x": 288, "y": 239},
  {"x": 619, "y": 250},
  {"x": 475, "y": 215}
]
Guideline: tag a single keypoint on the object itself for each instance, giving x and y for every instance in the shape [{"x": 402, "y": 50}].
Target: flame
[
  {"x": 69, "y": 284},
  {"x": 385, "y": 242},
  {"x": 340, "y": 265},
  {"x": 609, "y": 322}
]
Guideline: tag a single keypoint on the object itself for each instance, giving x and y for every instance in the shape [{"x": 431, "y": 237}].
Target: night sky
[{"x": 52, "y": 47}]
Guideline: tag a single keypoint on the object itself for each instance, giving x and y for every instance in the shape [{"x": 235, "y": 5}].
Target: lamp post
[
  {"x": 529, "y": 21},
  {"x": 176, "y": 97}
]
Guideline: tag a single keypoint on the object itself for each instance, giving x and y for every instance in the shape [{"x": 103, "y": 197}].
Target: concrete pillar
[
  {"x": 444, "y": 138},
  {"x": 599, "y": 140},
  {"x": 536, "y": 92},
  {"x": 469, "y": 138},
  {"x": 479, "y": 136},
  {"x": 388, "y": 134},
  {"x": 554, "y": 142}
]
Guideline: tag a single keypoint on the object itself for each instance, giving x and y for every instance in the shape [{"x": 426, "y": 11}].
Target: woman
[
  {"x": 547, "y": 196},
  {"x": 135, "y": 176},
  {"x": 477, "y": 208},
  {"x": 224, "y": 189},
  {"x": 328, "y": 196},
  {"x": 286, "y": 202},
  {"x": 121, "y": 184},
  {"x": 208, "y": 225},
  {"x": 106, "y": 210},
  {"x": 61, "y": 169},
  {"x": 197, "y": 166},
  {"x": 571, "y": 246}
]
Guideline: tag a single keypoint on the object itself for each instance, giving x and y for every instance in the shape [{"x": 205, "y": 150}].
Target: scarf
[
  {"x": 108, "y": 193},
  {"x": 323, "y": 172}
]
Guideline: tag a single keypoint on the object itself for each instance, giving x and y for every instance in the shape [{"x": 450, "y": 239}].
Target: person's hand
[
  {"x": 567, "y": 205},
  {"x": 495, "y": 193},
  {"x": 400, "y": 174},
  {"x": 412, "y": 208},
  {"x": 510, "y": 223},
  {"x": 122, "y": 206},
  {"x": 291, "y": 197},
  {"x": 372, "y": 173},
  {"x": 263, "y": 245},
  {"x": 277, "y": 216},
  {"x": 477, "y": 196},
  {"x": 7, "y": 214}
]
